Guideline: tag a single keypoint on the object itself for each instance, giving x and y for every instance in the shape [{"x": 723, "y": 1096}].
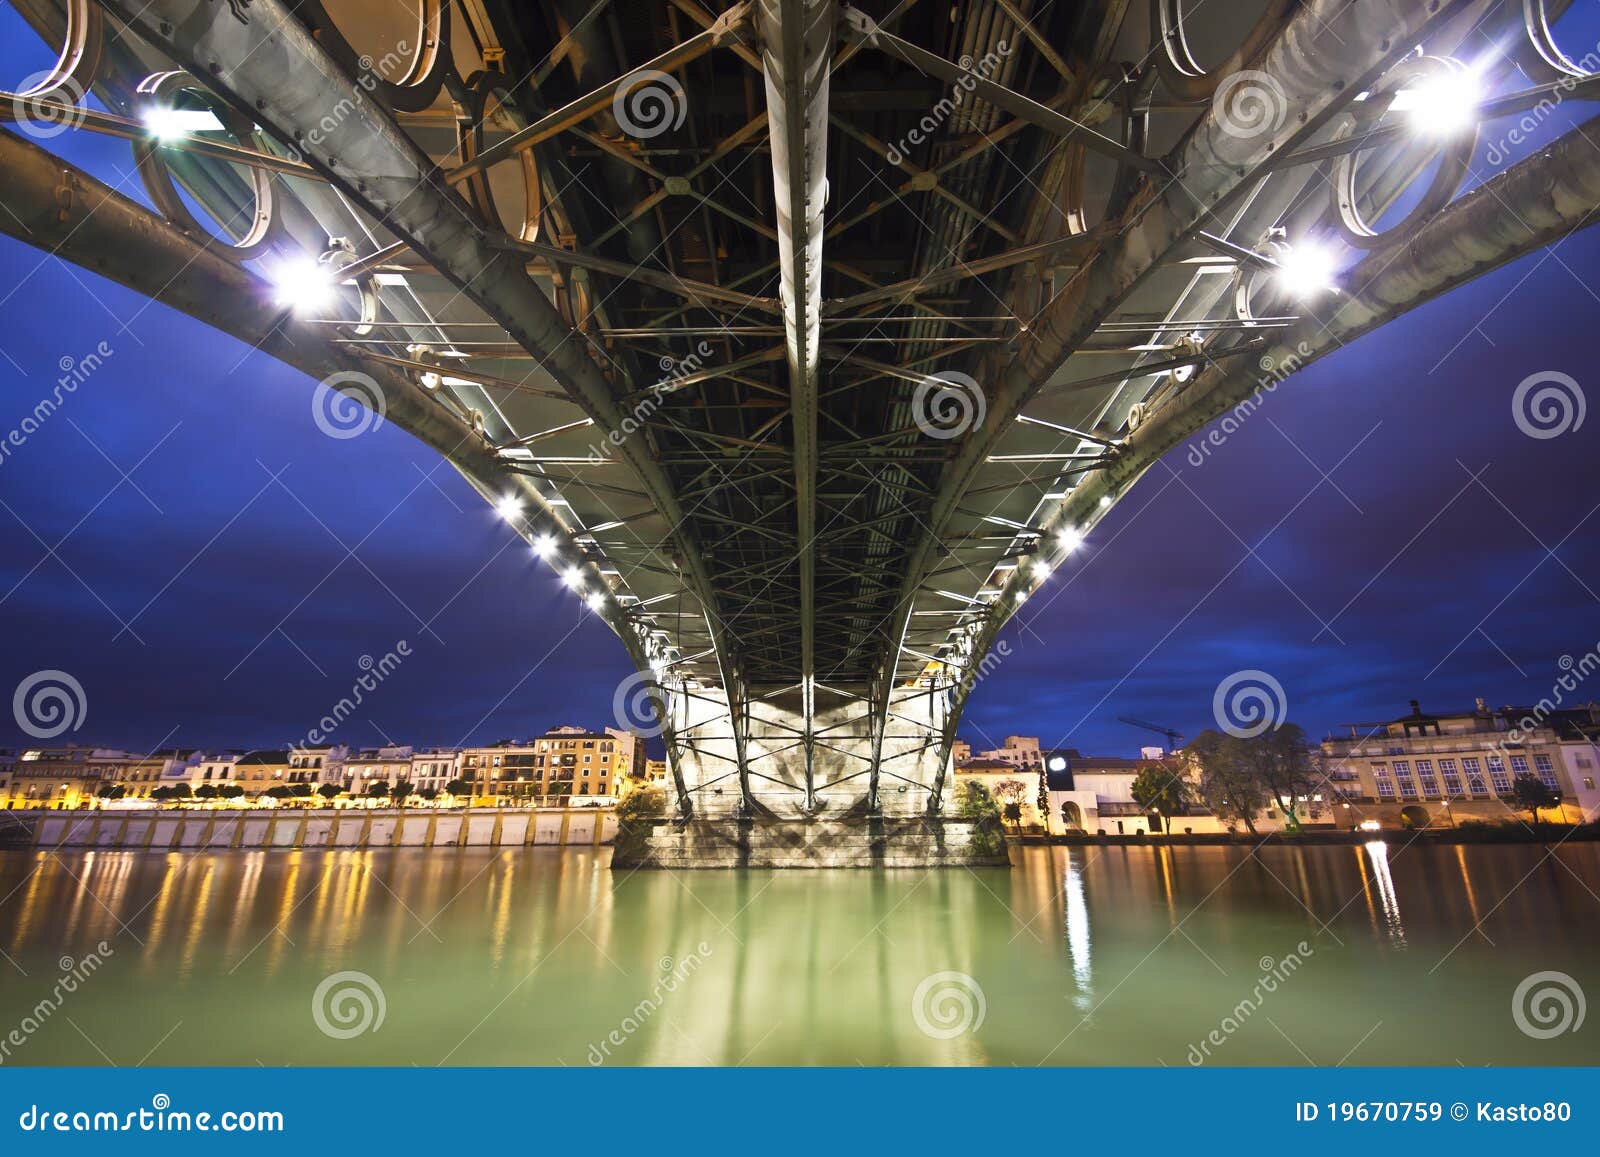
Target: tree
[
  {"x": 1044, "y": 798},
  {"x": 1160, "y": 787},
  {"x": 459, "y": 787},
  {"x": 330, "y": 791},
  {"x": 402, "y": 791},
  {"x": 180, "y": 791},
  {"x": 205, "y": 791},
  {"x": 429, "y": 794},
  {"x": 636, "y": 820},
  {"x": 378, "y": 790},
  {"x": 230, "y": 791},
  {"x": 975, "y": 805},
  {"x": 1533, "y": 794},
  {"x": 279, "y": 792},
  {"x": 110, "y": 791},
  {"x": 1227, "y": 785},
  {"x": 1011, "y": 793}
]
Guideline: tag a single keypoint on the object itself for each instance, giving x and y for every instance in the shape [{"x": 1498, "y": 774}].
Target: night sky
[{"x": 183, "y": 540}]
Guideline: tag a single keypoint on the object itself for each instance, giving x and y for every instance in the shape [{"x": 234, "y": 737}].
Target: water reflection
[
  {"x": 490, "y": 956},
  {"x": 1388, "y": 898}
]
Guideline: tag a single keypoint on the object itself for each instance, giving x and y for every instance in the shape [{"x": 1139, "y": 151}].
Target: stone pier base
[{"x": 782, "y": 843}]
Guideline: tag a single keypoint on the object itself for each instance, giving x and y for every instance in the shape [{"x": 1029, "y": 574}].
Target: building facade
[{"x": 1424, "y": 768}]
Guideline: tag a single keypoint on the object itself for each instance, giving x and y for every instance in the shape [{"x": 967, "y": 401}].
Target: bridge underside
[{"x": 802, "y": 340}]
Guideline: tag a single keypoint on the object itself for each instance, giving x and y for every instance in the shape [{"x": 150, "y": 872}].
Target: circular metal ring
[
  {"x": 417, "y": 83},
  {"x": 79, "y": 59},
  {"x": 1181, "y": 73},
  {"x": 1540, "y": 56},
  {"x": 158, "y": 90},
  {"x": 339, "y": 254},
  {"x": 1247, "y": 277},
  {"x": 482, "y": 88},
  {"x": 1455, "y": 161}
]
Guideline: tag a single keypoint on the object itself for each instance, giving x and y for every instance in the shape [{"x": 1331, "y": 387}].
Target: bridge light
[
  {"x": 304, "y": 285},
  {"x": 169, "y": 123},
  {"x": 509, "y": 508},
  {"x": 1306, "y": 269},
  {"x": 1105, "y": 501},
  {"x": 573, "y": 577},
  {"x": 596, "y": 602},
  {"x": 1069, "y": 540},
  {"x": 1443, "y": 104},
  {"x": 1041, "y": 569},
  {"x": 544, "y": 546}
]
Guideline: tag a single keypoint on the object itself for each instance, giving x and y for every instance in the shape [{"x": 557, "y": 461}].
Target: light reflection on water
[{"x": 1100, "y": 955}]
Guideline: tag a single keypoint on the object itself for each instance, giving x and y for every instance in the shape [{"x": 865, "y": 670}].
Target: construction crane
[{"x": 1173, "y": 735}]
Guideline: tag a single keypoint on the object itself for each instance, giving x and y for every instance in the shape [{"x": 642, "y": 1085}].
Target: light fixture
[
  {"x": 1069, "y": 540},
  {"x": 1443, "y": 104},
  {"x": 544, "y": 546},
  {"x": 1105, "y": 501},
  {"x": 303, "y": 285},
  {"x": 596, "y": 602},
  {"x": 509, "y": 507},
  {"x": 169, "y": 123},
  {"x": 1041, "y": 569},
  {"x": 1306, "y": 269},
  {"x": 1057, "y": 763},
  {"x": 573, "y": 577}
]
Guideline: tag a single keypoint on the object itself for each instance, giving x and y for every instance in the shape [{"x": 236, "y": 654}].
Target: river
[{"x": 1128, "y": 955}]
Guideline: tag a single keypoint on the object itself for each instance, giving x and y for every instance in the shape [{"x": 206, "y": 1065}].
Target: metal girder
[
  {"x": 601, "y": 98},
  {"x": 863, "y": 28},
  {"x": 270, "y": 67},
  {"x": 1556, "y": 192},
  {"x": 797, "y": 54},
  {"x": 1330, "y": 51}
]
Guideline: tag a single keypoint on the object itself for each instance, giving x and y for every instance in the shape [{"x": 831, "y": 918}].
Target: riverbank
[{"x": 1506, "y": 833}]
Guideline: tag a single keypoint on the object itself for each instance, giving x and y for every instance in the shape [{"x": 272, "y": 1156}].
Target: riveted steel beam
[{"x": 268, "y": 65}]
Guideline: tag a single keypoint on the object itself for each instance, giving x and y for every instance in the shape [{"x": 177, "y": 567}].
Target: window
[
  {"x": 1519, "y": 764},
  {"x": 1474, "y": 777},
  {"x": 1380, "y": 775},
  {"x": 1588, "y": 783},
  {"x": 1452, "y": 780},
  {"x": 1430, "y": 782},
  {"x": 1498, "y": 776},
  {"x": 1547, "y": 772},
  {"x": 1402, "y": 777}
]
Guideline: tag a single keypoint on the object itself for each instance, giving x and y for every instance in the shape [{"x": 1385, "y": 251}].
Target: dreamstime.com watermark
[
  {"x": 673, "y": 371},
  {"x": 1524, "y": 128},
  {"x": 1273, "y": 372},
  {"x": 348, "y": 1004},
  {"x": 74, "y": 372},
  {"x": 74, "y": 973},
  {"x": 984, "y": 67},
  {"x": 376, "y": 671},
  {"x": 673, "y": 975},
  {"x": 372, "y": 72},
  {"x": 1574, "y": 673},
  {"x": 1274, "y": 973},
  {"x": 160, "y": 1117}
]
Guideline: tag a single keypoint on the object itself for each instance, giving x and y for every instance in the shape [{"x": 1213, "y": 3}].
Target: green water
[{"x": 1127, "y": 955}]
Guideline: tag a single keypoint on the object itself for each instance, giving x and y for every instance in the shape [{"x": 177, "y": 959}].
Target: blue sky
[{"x": 182, "y": 539}]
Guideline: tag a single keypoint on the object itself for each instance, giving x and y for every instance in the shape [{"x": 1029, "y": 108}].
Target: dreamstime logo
[
  {"x": 374, "y": 672},
  {"x": 48, "y": 703},
  {"x": 347, "y": 404},
  {"x": 1274, "y": 371},
  {"x": 348, "y": 1004},
  {"x": 948, "y": 404},
  {"x": 1249, "y": 703},
  {"x": 44, "y": 113},
  {"x": 1250, "y": 104},
  {"x": 673, "y": 373},
  {"x": 649, "y": 103},
  {"x": 948, "y": 1004},
  {"x": 74, "y": 372},
  {"x": 1274, "y": 974},
  {"x": 1548, "y": 404},
  {"x": 640, "y": 704},
  {"x": 1548, "y": 1004}
]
